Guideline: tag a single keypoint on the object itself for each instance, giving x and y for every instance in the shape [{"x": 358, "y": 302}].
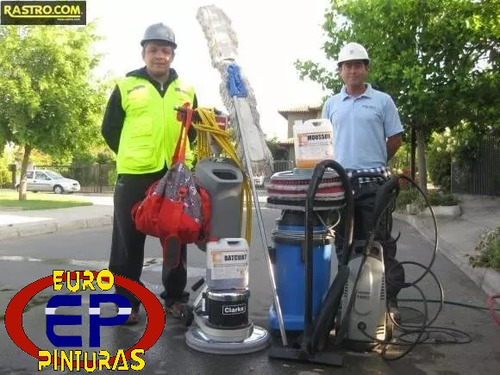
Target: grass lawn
[{"x": 38, "y": 201}]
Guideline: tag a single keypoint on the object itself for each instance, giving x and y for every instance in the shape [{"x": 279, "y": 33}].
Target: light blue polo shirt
[{"x": 361, "y": 126}]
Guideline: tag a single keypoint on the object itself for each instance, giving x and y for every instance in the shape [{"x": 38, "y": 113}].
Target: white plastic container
[
  {"x": 227, "y": 264},
  {"x": 313, "y": 142}
]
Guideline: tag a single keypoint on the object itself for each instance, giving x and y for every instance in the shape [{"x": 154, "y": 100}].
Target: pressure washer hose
[{"x": 419, "y": 331}]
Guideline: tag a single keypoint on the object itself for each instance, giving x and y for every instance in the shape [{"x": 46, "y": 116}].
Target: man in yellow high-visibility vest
[{"x": 142, "y": 127}]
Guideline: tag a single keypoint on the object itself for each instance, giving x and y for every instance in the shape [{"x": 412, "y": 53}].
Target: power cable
[
  {"x": 208, "y": 131},
  {"x": 413, "y": 334},
  {"x": 446, "y": 302}
]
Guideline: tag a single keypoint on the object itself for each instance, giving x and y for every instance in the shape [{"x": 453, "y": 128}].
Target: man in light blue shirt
[
  {"x": 367, "y": 128},
  {"x": 367, "y": 133}
]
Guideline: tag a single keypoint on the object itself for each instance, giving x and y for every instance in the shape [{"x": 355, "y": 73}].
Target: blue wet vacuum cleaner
[
  {"x": 288, "y": 258},
  {"x": 314, "y": 334},
  {"x": 359, "y": 285},
  {"x": 287, "y": 191}
]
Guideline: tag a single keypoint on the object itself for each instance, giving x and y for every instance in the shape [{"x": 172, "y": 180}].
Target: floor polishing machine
[{"x": 218, "y": 318}]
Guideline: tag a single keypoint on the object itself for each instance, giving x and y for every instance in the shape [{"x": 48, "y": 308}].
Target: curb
[
  {"x": 487, "y": 279},
  {"x": 51, "y": 226}
]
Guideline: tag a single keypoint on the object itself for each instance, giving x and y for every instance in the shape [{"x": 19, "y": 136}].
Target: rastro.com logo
[
  {"x": 77, "y": 360},
  {"x": 43, "y": 12}
]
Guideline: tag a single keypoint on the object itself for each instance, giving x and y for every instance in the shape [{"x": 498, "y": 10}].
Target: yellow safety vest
[{"x": 151, "y": 128}]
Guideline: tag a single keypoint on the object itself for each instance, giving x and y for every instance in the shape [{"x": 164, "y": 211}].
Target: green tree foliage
[
  {"x": 5, "y": 174},
  {"x": 460, "y": 145},
  {"x": 438, "y": 59},
  {"x": 279, "y": 152},
  {"x": 49, "y": 100},
  {"x": 401, "y": 159},
  {"x": 439, "y": 159}
]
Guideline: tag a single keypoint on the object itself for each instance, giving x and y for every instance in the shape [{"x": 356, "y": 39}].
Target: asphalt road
[{"x": 25, "y": 260}]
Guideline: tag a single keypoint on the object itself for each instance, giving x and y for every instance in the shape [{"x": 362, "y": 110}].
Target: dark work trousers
[
  {"x": 127, "y": 243},
  {"x": 174, "y": 280},
  {"x": 364, "y": 199}
]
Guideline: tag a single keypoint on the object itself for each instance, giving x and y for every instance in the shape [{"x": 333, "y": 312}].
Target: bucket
[
  {"x": 313, "y": 142},
  {"x": 227, "y": 264},
  {"x": 223, "y": 181},
  {"x": 289, "y": 268}
]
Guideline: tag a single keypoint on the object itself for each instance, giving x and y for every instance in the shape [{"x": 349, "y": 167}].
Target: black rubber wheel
[{"x": 187, "y": 315}]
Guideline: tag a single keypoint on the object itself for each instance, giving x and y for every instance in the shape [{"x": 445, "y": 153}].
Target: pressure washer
[
  {"x": 363, "y": 311},
  {"x": 369, "y": 307}
]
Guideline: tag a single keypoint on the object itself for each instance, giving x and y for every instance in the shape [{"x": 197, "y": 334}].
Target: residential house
[{"x": 302, "y": 113}]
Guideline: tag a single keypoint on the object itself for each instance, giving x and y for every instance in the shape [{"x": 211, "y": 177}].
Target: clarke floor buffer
[{"x": 218, "y": 318}]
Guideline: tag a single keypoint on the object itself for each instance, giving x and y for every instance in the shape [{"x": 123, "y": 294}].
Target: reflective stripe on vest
[{"x": 151, "y": 128}]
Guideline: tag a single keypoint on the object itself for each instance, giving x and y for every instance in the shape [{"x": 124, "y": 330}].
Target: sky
[{"x": 271, "y": 34}]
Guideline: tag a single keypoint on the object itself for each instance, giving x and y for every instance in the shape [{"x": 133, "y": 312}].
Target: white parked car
[{"x": 46, "y": 180}]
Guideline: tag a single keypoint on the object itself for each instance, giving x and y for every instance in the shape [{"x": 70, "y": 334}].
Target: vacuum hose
[{"x": 315, "y": 335}]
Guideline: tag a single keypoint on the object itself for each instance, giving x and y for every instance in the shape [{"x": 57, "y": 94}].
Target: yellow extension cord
[{"x": 208, "y": 128}]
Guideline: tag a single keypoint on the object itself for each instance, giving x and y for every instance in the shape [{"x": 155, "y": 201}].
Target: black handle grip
[
  {"x": 197, "y": 284},
  {"x": 383, "y": 196}
]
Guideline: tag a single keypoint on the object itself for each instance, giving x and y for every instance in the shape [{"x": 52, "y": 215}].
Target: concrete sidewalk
[
  {"x": 457, "y": 236},
  {"x": 16, "y": 223},
  {"x": 27, "y": 223}
]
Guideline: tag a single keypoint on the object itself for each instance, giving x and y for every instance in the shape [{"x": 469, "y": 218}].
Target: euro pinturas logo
[{"x": 76, "y": 359}]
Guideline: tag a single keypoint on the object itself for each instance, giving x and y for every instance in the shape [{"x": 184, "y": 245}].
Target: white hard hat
[{"x": 352, "y": 51}]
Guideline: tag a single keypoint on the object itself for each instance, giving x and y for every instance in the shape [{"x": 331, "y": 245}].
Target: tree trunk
[
  {"x": 412, "y": 154},
  {"x": 24, "y": 169},
  {"x": 422, "y": 166}
]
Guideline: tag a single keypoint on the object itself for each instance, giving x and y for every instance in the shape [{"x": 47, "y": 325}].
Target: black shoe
[{"x": 393, "y": 310}]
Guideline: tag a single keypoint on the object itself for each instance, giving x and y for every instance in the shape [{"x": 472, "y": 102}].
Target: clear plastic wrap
[{"x": 179, "y": 185}]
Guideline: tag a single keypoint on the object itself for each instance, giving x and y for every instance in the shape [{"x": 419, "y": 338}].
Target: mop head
[{"x": 236, "y": 92}]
